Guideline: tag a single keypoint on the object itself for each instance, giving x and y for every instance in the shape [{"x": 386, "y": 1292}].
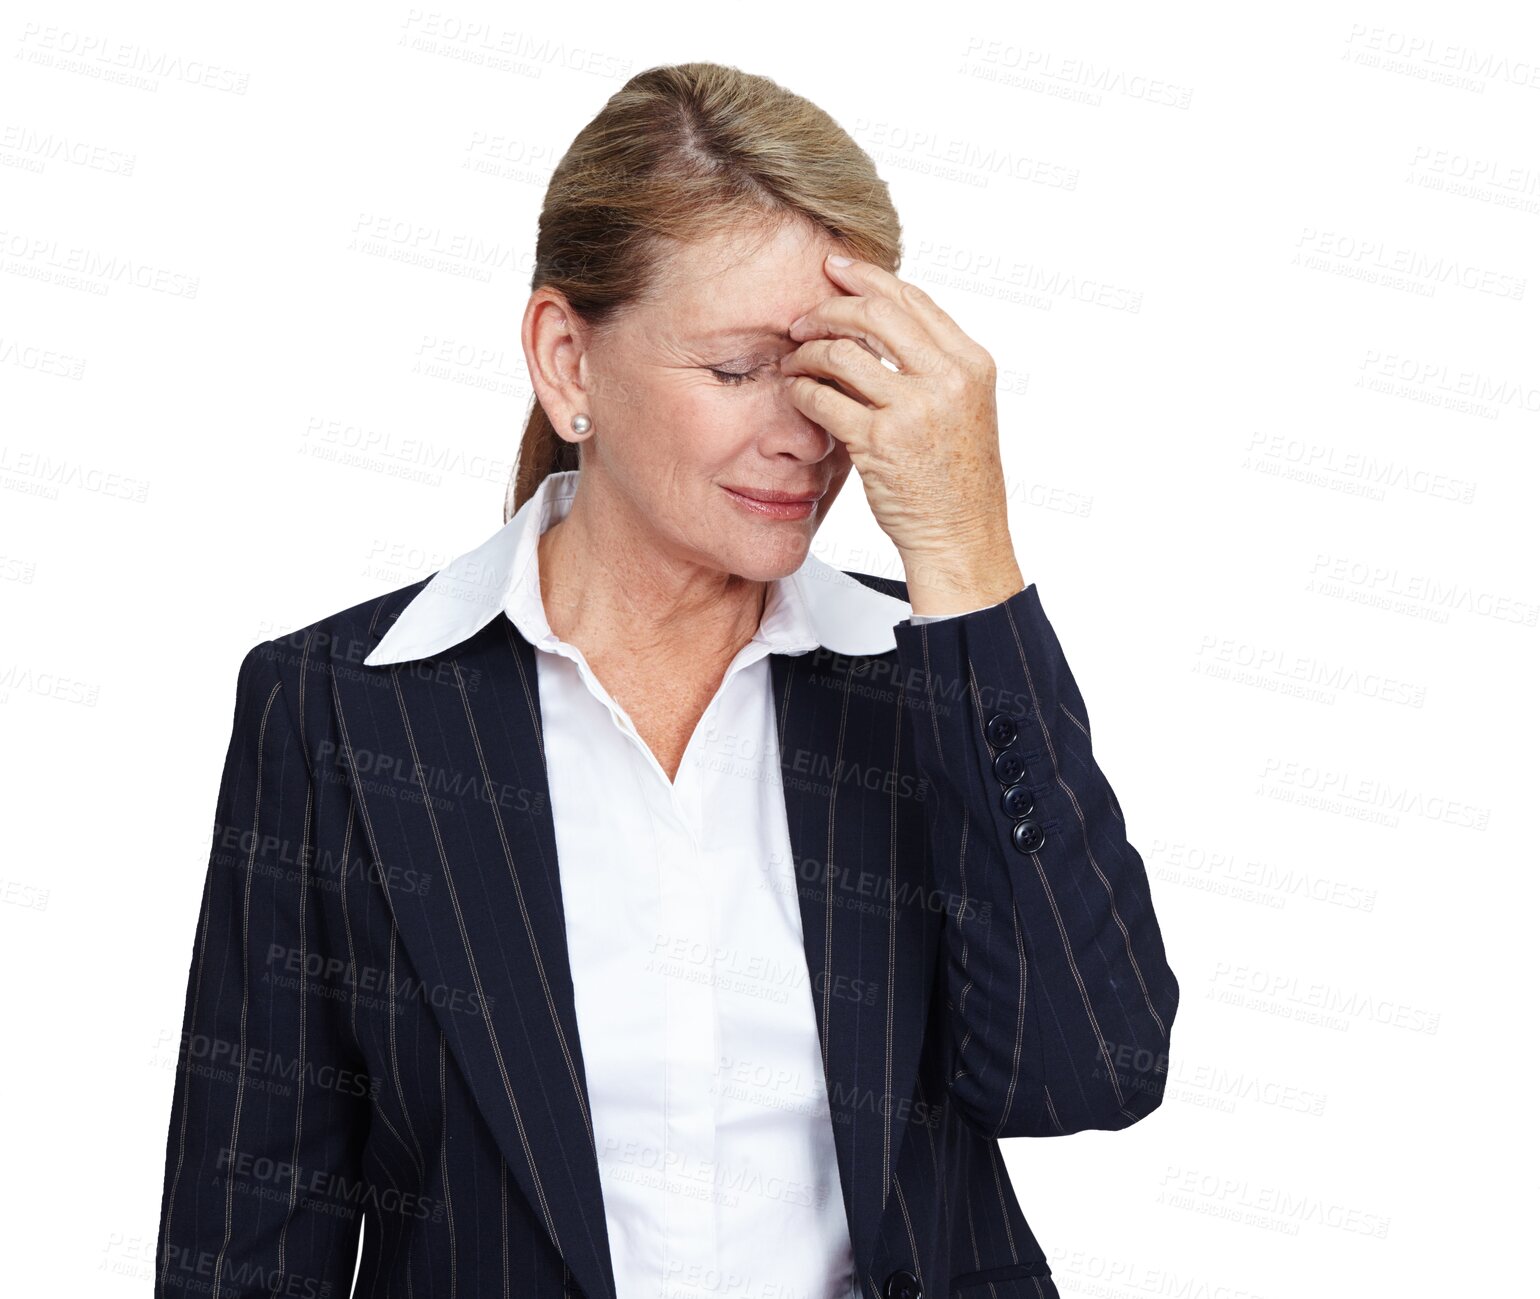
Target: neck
[{"x": 609, "y": 584}]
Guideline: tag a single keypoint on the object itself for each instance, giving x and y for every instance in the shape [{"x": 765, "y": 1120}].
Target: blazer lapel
[
  {"x": 858, "y": 847},
  {"x": 447, "y": 760}
]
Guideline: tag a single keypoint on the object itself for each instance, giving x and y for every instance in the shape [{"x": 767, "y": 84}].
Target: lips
[{"x": 777, "y": 498}]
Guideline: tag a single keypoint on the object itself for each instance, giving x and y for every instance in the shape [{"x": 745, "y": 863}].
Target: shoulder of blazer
[{"x": 887, "y": 585}]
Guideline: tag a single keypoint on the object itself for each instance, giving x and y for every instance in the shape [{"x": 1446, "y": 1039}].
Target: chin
[{"x": 776, "y": 551}]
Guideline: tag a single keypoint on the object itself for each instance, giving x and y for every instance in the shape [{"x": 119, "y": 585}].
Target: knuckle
[{"x": 973, "y": 364}]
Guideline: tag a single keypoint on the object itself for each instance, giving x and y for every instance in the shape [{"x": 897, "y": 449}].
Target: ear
[{"x": 555, "y": 340}]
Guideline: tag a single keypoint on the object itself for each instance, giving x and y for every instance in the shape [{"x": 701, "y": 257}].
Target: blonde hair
[{"x": 679, "y": 153}]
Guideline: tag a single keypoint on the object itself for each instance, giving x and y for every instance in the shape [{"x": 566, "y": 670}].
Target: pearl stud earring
[{"x": 581, "y": 424}]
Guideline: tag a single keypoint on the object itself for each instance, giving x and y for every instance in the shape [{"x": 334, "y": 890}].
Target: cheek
[
  {"x": 656, "y": 414},
  {"x": 690, "y": 422},
  {"x": 709, "y": 420}
]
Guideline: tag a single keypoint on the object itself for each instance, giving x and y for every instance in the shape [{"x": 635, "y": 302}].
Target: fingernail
[{"x": 838, "y": 260}]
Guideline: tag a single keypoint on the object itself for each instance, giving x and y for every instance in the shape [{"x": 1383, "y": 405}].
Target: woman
[{"x": 642, "y": 905}]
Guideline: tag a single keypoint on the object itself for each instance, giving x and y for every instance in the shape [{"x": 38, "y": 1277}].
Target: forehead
[{"x": 743, "y": 285}]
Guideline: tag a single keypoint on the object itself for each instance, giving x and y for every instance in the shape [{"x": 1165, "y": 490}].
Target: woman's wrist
[{"x": 960, "y": 580}]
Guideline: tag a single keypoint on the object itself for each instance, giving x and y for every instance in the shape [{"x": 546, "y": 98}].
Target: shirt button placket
[{"x": 690, "y": 1160}]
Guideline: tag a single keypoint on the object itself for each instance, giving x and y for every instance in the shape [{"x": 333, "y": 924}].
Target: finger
[
  {"x": 869, "y": 278},
  {"x": 849, "y": 362},
  {"x": 879, "y": 324},
  {"x": 827, "y": 407}
]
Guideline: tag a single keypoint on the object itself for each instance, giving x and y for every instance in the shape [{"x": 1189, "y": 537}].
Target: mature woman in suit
[{"x": 642, "y": 905}]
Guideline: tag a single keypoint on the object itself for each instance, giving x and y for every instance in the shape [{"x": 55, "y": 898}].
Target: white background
[{"x": 1261, "y": 288}]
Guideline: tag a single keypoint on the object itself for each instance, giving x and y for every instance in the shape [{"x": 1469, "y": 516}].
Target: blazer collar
[{"x": 818, "y": 605}]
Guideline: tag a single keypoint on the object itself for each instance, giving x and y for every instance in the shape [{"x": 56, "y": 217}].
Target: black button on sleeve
[
  {"x": 1017, "y": 801},
  {"x": 1000, "y": 731},
  {"x": 902, "y": 1285},
  {"x": 1009, "y": 767},
  {"x": 1028, "y": 836}
]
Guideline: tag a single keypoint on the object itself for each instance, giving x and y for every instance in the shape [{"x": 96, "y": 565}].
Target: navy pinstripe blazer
[{"x": 379, "y": 1026}]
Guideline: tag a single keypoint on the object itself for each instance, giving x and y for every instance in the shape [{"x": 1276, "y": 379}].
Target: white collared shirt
[{"x": 699, "y": 1041}]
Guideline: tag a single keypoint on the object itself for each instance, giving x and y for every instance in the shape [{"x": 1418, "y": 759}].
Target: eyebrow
[{"x": 748, "y": 331}]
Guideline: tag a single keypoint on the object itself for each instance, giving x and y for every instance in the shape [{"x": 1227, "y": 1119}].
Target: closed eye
[{"x": 732, "y": 378}]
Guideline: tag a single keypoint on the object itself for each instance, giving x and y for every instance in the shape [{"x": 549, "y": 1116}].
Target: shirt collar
[{"x": 818, "y": 605}]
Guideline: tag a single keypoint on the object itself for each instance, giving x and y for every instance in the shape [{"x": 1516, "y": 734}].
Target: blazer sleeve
[
  {"x": 267, "y": 1115},
  {"x": 1058, "y": 995}
]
